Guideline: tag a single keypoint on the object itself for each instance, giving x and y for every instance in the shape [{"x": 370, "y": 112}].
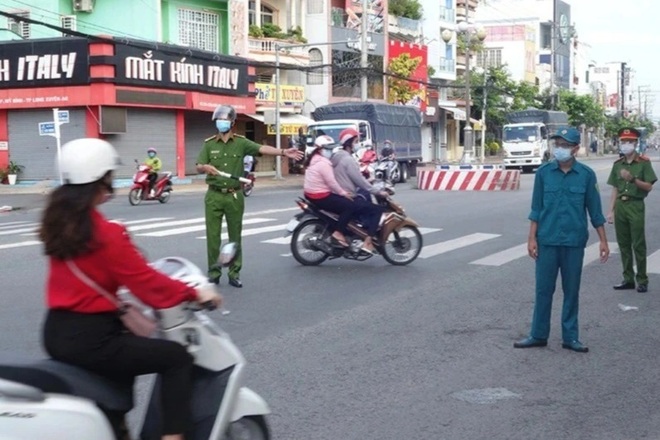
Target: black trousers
[
  {"x": 346, "y": 209},
  {"x": 100, "y": 343},
  {"x": 368, "y": 213},
  {"x": 153, "y": 177}
]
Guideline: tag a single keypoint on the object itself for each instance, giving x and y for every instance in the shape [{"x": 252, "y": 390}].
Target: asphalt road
[{"x": 370, "y": 351}]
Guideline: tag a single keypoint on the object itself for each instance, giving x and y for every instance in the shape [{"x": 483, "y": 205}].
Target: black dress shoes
[
  {"x": 214, "y": 280},
  {"x": 642, "y": 288},
  {"x": 236, "y": 282},
  {"x": 530, "y": 342},
  {"x": 575, "y": 346},
  {"x": 624, "y": 286}
]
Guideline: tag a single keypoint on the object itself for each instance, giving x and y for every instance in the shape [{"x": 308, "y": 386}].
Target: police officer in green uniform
[
  {"x": 225, "y": 152},
  {"x": 632, "y": 178},
  {"x": 564, "y": 191}
]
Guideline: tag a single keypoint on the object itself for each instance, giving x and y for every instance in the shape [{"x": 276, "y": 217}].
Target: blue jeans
[{"x": 550, "y": 261}]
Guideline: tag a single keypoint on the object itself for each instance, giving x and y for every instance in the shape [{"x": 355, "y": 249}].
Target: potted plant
[
  {"x": 3, "y": 175},
  {"x": 13, "y": 169}
]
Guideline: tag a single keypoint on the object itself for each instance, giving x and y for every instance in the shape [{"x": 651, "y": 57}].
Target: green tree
[
  {"x": 581, "y": 109},
  {"x": 400, "y": 89},
  {"x": 406, "y": 8}
]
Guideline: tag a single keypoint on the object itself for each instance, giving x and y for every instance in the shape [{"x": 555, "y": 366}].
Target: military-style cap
[
  {"x": 629, "y": 133},
  {"x": 569, "y": 134}
]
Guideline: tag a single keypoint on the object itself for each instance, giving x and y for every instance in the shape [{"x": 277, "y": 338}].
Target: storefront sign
[
  {"x": 266, "y": 94},
  {"x": 193, "y": 71},
  {"x": 45, "y": 97},
  {"x": 419, "y": 75},
  {"x": 285, "y": 129},
  {"x": 46, "y": 63}
]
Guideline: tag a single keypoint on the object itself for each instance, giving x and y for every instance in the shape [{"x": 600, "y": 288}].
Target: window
[
  {"x": 198, "y": 29},
  {"x": 315, "y": 6},
  {"x": 315, "y": 77},
  {"x": 267, "y": 14},
  {"x": 489, "y": 58},
  {"x": 346, "y": 76},
  {"x": 20, "y": 28},
  {"x": 68, "y": 22}
]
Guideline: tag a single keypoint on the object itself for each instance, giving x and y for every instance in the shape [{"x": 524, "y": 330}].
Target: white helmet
[
  {"x": 86, "y": 160},
  {"x": 325, "y": 141}
]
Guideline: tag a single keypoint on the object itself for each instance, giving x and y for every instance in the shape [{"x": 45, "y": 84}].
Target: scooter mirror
[{"x": 227, "y": 254}]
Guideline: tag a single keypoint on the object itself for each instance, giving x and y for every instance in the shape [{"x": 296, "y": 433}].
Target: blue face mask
[
  {"x": 222, "y": 125},
  {"x": 563, "y": 154},
  {"x": 152, "y": 155}
]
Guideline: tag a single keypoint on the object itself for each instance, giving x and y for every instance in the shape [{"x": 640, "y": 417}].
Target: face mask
[
  {"x": 152, "y": 155},
  {"x": 627, "y": 148},
  {"x": 326, "y": 153},
  {"x": 222, "y": 125},
  {"x": 563, "y": 154}
]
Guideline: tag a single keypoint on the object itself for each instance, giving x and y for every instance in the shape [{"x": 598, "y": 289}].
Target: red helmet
[{"x": 347, "y": 134}]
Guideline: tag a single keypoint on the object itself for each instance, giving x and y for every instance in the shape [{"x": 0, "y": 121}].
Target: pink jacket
[{"x": 320, "y": 178}]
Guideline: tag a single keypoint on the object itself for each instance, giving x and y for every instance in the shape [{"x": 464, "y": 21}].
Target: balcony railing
[
  {"x": 404, "y": 26},
  {"x": 447, "y": 14},
  {"x": 267, "y": 45},
  {"x": 447, "y": 64}
]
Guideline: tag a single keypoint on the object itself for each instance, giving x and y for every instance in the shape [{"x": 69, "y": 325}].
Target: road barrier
[{"x": 469, "y": 180}]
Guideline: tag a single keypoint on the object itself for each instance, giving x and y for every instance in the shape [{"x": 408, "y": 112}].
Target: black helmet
[{"x": 224, "y": 112}]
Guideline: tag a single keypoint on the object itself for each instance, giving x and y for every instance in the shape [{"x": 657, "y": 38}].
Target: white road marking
[
  {"x": 457, "y": 243},
  {"x": 255, "y": 231},
  {"x": 20, "y": 244},
  {"x": 592, "y": 252},
  {"x": 197, "y": 228},
  {"x": 503, "y": 257}
]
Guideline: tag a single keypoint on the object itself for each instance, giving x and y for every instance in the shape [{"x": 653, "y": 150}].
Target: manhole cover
[{"x": 485, "y": 395}]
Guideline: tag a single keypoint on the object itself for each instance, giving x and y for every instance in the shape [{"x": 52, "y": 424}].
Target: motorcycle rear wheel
[
  {"x": 302, "y": 242},
  {"x": 164, "y": 197},
  {"x": 403, "y": 246},
  {"x": 135, "y": 196},
  {"x": 249, "y": 428}
]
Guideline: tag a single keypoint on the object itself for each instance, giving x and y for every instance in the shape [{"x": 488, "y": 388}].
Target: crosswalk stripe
[
  {"x": 19, "y": 244},
  {"x": 197, "y": 228},
  {"x": 144, "y": 220},
  {"x": 17, "y": 231},
  {"x": 255, "y": 231},
  {"x": 653, "y": 262},
  {"x": 456, "y": 243},
  {"x": 21, "y": 224},
  {"x": 166, "y": 224},
  {"x": 592, "y": 252},
  {"x": 271, "y": 211},
  {"x": 503, "y": 257}
]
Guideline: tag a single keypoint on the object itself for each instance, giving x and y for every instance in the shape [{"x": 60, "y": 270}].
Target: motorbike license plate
[{"x": 291, "y": 226}]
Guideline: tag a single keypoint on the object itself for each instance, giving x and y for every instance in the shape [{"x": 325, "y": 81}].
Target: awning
[
  {"x": 459, "y": 114},
  {"x": 289, "y": 123}
]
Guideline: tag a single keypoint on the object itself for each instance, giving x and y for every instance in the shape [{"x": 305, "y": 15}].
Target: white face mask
[
  {"x": 326, "y": 153},
  {"x": 627, "y": 147}
]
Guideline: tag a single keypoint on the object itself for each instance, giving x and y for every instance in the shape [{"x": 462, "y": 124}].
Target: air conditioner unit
[{"x": 83, "y": 5}]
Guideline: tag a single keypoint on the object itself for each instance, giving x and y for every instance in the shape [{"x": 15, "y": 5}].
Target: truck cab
[{"x": 525, "y": 145}]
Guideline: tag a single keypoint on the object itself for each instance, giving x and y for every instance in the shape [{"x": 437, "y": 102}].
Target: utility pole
[
  {"x": 553, "y": 37},
  {"x": 622, "y": 98},
  {"x": 364, "y": 60}
]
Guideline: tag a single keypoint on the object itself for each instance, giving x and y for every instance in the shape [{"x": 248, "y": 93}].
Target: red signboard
[
  {"x": 398, "y": 48},
  {"x": 45, "y": 97},
  {"x": 207, "y": 102}
]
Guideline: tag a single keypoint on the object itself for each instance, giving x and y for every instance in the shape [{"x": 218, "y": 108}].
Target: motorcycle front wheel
[
  {"x": 249, "y": 428},
  {"x": 247, "y": 189},
  {"x": 403, "y": 246},
  {"x": 302, "y": 242},
  {"x": 135, "y": 196}
]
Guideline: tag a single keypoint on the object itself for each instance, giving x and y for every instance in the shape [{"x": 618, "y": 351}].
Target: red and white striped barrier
[{"x": 469, "y": 180}]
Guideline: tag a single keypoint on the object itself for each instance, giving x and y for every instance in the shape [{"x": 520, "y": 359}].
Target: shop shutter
[
  {"x": 198, "y": 127},
  {"x": 38, "y": 154},
  {"x": 146, "y": 128}
]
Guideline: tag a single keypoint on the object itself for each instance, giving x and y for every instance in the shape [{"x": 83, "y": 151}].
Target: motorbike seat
[
  {"x": 51, "y": 376},
  {"x": 333, "y": 215},
  {"x": 164, "y": 175}
]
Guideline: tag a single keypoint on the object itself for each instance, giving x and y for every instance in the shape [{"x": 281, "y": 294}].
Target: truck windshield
[
  {"x": 331, "y": 130},
  {"x": 521, "y": 134}
]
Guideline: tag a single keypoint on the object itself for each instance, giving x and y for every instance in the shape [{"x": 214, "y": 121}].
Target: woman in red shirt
[{"x": 82, "y": 326}]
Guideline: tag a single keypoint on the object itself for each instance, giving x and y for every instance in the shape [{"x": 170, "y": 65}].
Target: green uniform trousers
[
  {"x": 551, "y": 260},
  {"x": 629, "y": 226},
  {"x": 231, "y": 206}
]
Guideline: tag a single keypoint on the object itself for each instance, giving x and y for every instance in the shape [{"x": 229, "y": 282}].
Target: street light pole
[
  {"x": 364, "y": 56},
  {"x": 278, "y": 124},
  {"x": 467, "y": 130},
  {"x": 483, "y": 119}
]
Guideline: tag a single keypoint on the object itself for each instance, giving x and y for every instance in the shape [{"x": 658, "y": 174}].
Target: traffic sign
[
  {"x": 46, "y": 128},
  {"x": 63, "y": 116}
]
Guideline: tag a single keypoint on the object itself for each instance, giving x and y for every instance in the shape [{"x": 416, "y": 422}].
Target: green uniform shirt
[
  {"x": 640, "y": 167},
  {"x": 154, "y": 163},
  {"x": 560, "y": 202},
  {"x": 227, "y": 157}
]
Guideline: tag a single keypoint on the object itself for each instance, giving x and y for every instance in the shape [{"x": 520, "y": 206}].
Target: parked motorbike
[
  {"x": 398, "y": 238},
  {"x": 49, "y": 399},
  {"x": 140, "y": 188}
]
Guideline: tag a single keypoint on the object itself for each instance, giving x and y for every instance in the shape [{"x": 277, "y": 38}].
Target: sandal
[{"x": 337, "y": 242}]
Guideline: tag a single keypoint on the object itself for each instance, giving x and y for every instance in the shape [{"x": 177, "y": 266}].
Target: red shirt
[{"x": 114, "y": 262}]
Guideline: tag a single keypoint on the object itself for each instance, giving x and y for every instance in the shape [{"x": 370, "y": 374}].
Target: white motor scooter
[{"x": 51, "y": 400}]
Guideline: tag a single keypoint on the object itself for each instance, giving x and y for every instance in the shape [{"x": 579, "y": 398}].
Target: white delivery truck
[{"x": 525, "y": 137}]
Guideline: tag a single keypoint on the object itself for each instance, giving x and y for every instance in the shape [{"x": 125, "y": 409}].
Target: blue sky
[{"x": 623, "y": 31}]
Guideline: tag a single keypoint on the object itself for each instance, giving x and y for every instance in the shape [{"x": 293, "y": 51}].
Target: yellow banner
[
  {"x": 285, "y": 129},
  {"x": 288, "y": 94}
]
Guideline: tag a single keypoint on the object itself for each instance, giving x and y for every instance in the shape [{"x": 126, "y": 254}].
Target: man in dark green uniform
[
  {"x": 632, "y": 178},
  {"x": 225, "y": 152},
  {"x": 564, "y": 191}
]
